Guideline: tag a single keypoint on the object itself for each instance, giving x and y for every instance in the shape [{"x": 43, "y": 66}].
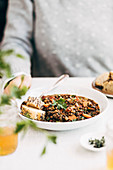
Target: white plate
[
  {"x": 85, "y": 138},
  {"x": 72, "y": 89}
]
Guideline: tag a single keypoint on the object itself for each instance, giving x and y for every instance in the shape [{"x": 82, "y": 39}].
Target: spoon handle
[{"x": 59, "y": 80}]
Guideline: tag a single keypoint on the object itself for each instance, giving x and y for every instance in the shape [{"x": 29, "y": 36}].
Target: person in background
[{"x": 70, "y": 36}]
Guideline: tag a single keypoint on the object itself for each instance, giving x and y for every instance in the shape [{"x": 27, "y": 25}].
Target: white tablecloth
[{"x": 67, "y": 153}]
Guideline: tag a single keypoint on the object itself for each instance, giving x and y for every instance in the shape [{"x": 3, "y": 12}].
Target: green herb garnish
[
  {"x": 60, "y": 103},
  {"x": 97, "y": 143}
]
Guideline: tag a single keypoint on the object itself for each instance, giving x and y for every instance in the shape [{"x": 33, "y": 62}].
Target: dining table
[{"x": 67, "y": 153}]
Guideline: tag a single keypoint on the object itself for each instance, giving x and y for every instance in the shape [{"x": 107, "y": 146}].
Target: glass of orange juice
[
  {"x": 8, "y": 139},
  {"x": 109, "y": 145}
]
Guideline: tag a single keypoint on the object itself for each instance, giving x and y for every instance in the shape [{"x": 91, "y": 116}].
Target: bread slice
[
  {"x": 33, "y": 112},
  {"x": 34, "y": 102},
  {"x": 108, "y": 87},
  {"x": 104, "y": 82},
  {"x": 101, "y": 79}
]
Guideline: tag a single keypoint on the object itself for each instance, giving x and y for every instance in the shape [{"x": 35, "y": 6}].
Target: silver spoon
[
  {"x": 34, "y": 101},
  {"x": 59, "y": 80}
]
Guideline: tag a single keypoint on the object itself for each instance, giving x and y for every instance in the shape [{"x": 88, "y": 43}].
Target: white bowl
[{"x": 90, "y": 93}]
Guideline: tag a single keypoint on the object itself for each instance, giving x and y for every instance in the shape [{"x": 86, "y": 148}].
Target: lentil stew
[{"x": 60, "y": 108}]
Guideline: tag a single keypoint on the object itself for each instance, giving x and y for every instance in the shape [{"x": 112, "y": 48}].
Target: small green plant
[{"x": 5, "y": 69}]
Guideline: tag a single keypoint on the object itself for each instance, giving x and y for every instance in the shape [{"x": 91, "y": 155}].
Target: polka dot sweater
[{"x": 71, "y": 36}]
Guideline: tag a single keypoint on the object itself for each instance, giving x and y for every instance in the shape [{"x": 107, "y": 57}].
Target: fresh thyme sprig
[{"x": 97, "y": 143}]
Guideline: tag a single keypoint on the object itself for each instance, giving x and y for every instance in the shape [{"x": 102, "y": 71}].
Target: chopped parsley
[{"x": 60, "y": 104}]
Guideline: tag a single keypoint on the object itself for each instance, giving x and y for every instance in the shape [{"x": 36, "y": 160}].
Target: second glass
[
  {"x": 109, "y": 145},
  {"x": 8, "y": 139}
]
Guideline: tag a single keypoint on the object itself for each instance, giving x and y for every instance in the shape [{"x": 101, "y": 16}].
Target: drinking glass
[
  {"x": 8, "y": 139},
  {"x": 109, "y": 145}
]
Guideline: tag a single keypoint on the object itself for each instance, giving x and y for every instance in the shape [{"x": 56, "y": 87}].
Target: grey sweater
[{"x": 71, "y": 36}]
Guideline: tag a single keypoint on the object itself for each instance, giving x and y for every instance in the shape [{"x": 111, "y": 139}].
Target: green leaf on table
[
  {"x": 43, "y": 151},
  {"x": 52, "y": 138}
]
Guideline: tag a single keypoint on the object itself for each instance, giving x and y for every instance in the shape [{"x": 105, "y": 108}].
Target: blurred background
[{"x": 79, "y": 43}]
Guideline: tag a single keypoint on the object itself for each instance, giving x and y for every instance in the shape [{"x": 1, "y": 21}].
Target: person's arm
[{"x": 18, "y": 33}]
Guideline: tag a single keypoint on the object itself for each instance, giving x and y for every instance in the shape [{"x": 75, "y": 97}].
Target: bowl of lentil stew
[{"x": 67, "y": 108}]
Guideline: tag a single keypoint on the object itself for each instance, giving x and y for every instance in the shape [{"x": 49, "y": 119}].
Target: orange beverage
[
  {"x": 110, "y": 160},
  {"x": 109, "y": 145},
  {"x": 8, "y": 140}
]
